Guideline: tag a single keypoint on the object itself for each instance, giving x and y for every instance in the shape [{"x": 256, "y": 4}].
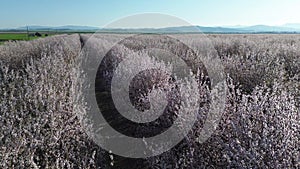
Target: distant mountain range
[
  {"x": 51, "y": 28},
  {"x": 286, "y": 28}
]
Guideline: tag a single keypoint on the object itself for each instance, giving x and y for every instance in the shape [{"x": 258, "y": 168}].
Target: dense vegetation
[{"x": 40, "y": 80}]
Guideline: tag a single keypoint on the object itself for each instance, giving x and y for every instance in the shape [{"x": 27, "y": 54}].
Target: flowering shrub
[
  {"x": 40, "y": 101},
  {"x": 38, "y": 126}
]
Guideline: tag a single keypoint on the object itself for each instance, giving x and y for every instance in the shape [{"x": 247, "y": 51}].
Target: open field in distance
[{"x": 16, "y": 36}]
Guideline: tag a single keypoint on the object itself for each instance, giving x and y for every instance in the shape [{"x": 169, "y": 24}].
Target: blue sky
[{"x": 15, "y": 13}]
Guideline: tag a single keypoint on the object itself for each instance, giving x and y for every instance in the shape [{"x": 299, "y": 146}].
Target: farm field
[
  {"x": 16, "y": 36},
  {"x": 42, "y": 106}
]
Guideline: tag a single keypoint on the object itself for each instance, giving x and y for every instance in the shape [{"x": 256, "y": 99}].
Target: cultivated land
[
  {"x": 16, "y": 36},
  {"x": 41, "y": 104}
]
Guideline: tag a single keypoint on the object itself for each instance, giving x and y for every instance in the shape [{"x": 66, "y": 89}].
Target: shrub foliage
[{"x": 40, "y": 99}]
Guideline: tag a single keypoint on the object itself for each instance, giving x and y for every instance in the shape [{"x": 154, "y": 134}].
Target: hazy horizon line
[{"x": 101, "y": 27}]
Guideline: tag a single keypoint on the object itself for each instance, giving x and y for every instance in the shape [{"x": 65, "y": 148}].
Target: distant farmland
[{"x": 15, "y": 36}]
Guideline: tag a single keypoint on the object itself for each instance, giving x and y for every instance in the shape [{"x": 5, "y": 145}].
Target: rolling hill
[{"x": 287, "y": 28}]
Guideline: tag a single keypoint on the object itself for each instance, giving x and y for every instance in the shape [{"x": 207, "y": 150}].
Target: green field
[{"x": 16, "y": 36}]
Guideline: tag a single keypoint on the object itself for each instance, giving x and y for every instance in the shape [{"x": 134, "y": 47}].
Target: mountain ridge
[{"x": 294, "y": 27}]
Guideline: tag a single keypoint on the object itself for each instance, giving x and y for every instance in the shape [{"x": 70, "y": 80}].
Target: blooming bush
[{"x": 41, "y": 104}]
